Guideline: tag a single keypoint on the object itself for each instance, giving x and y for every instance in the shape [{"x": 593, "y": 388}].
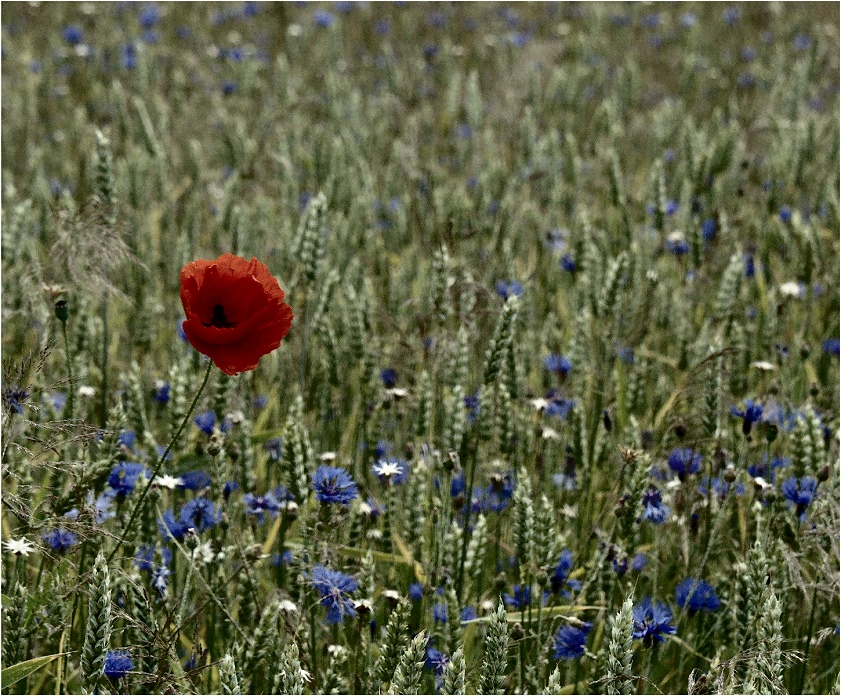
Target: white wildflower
[{"x": 19, "y": 547}]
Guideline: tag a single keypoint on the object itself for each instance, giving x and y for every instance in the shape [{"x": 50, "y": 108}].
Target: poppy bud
[
  {"x": 62, "y": 311},
  {"x": 770, "y": 432},
  {"x": 814, "y": 390},
  {"x": 730, "y": 473},
  {"x": 517, "y": 632},
  {"x": 805, "y": 349},
  {"x": 608, "y": 424},
  {"x": 823, "y": 474},
  {"x": 680, "y": 430},
  {"x": 500, "y": 582},
  {"x": 542, "y": 578}
]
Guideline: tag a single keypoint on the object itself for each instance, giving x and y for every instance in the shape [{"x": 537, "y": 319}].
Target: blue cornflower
[
  {"x": 463, "y": 130},
  {"x": 334, "y": 586},
  {"x": 275, "y": 448},
  {"x": 332, "y": 484},
  {"x": 748, "y": 53},
  {"x": 200, "y": 514},
  {"x": 60, "y": 539},
  {"x": 508, "y": 289},
  {"x": 799, "y": 493},
  {"x": 638, "y": 562},
  {"x": 751, "y": 414},
  {"x": 654, "y": 510},
  {"x": 652, "y": 622},
  {"x": 567, "y": 263},
  {"x": 767, "y": 469},
  {"x": 124, "y": 477},
  {"x": 709, "y": 227},
  {"x": 671, "y": 207},
  {"x": 439, "y": 612},
  {"x": 260, "y": 402},
  {"x": 731, "y": 15},
  {"x": 389, "y": 377},
  {"x": 558, "y": 406},
  {"x": 128, "y": 56},
  {"x": 831, "y": 346},
  {"x": 750, "y": 266},
  {"x": 323, "y": 18},
  {"x": 382, "y": 26},
  {"x": 416, "y": 591},
  {"x": 196, "y": 480},
  {"x": 375, "y": 508},
  {"x": 625, "y": 354},
  {"x": 382, "y": 449},
  {"x": 436, "y": 661},
  {"x": 688, "y": 20},
  {"x": 520, "y": 598},
  {"x": 228, "y": 87},
  {"x": 785, "y": 213},
  {"x": 127, "y": 439},
  {"x": 117, "y": 664},
  {"x": 14, "y": 398},
  {"x": 283, "y": 559},
  {"x": 468, "y": 614},
  {"x": 571, "y": 641},
  {"x": 73, "y": 34},
  {"x": 677, "y": 245},
  {"x": 685, "y": 461},
  {"x": 458, "y": 485},
  {"x": 160, "y": 578},
  {"x": 436, "y": 19},
  {"x": 58, "y": 401},
  {"x": 391, "y": 471},
  {"x": 719, "y": 486},
  {"x": 144, "y": 559},
  {"x": 169, "y": 527},
  {"x": 556, "y": 363},
  {"x": 696, "y": 595},
  {"x": 205, "y": 422},
  {"x": 473, "y": 406},
  {"x": 559, "y": 580},
  {"x": 149, "y": 16},
  {"x": 162, "y": 392},
  {"x": 802, "y": 42},
  {"x": 260, "y": 504}
]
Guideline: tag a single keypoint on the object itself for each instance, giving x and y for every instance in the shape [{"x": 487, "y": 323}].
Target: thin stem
[
  {"x": 71, "y": 397},
  {"x": 161, "y": 461},
  {"x": 808, "y": 640},
  {"x": 468, "y": 504}
]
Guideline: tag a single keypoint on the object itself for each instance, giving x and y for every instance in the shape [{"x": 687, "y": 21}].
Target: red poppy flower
[{"x": 235, "y": 311}]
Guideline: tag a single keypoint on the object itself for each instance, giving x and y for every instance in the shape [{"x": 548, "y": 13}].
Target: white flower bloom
[
  {"x": 761, "y": 483},
  {"x": 392, "y": 594},
  {"x": 569, "y": 511},
  {"x": 387, "y": 469},
  {"x": 763, "y": 365},
  {"x": 328, "y": 456},
  {"x": 167, "y": 481},
  {"x": 85, "y": 390},
  {"x": 203, "y": 553},
  {"x": 295, "y": 30},
  {"x": 288, "y": 606},
  {"x": 539, "y": 404},
  {"x": 306, "y": 676},
  {"x": 791, "y": 289},
  {"x": 397, "y": 392},
  {"x": 19, "y": 547},
  {"x": 674, "y": 483},
  {"x": 550, "y": 434},
  {"x": 337, "y": 651}
]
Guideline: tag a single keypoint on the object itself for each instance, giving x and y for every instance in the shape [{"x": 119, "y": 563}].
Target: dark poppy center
[{"x": 219, "y": 320}]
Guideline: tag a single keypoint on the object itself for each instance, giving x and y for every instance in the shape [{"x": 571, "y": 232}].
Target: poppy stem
[{"x": 162, "y": 459}]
